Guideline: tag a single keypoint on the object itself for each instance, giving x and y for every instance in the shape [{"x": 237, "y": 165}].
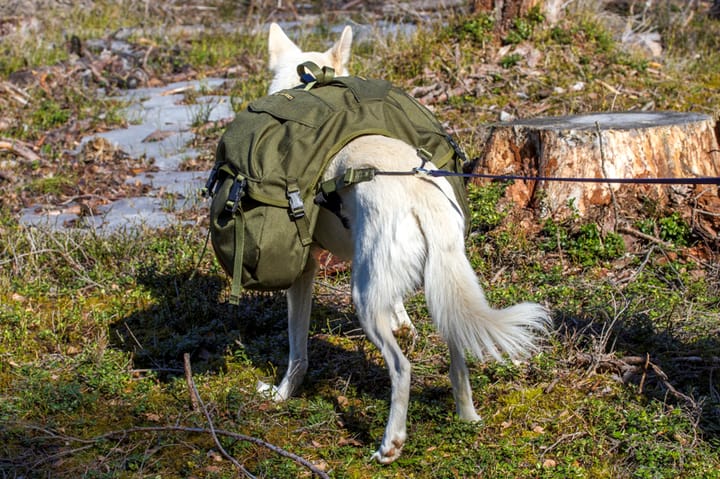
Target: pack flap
[
  {"x": 299, "y": 106},
  {"x": 364, "y": 89}
]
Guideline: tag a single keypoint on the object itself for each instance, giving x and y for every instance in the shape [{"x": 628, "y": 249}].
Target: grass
[{"x": 93, "y": 328}]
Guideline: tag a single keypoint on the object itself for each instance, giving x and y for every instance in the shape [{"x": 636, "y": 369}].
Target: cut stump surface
[{"x": 603, "y": 145}]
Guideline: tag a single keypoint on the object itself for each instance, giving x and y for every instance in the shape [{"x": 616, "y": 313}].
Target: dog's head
[{"x": 285, "y": 56}]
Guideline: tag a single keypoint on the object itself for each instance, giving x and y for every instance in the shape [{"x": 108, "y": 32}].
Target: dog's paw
[
  {"x": 470, "y": 416},
  {"x": 269, "y": 391},
  {"x": 388, "y": 453},
  {"x": 399, "y": 321}
]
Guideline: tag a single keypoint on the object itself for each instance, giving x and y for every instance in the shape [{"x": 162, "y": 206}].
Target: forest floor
[{"x": 95, "y": 326}]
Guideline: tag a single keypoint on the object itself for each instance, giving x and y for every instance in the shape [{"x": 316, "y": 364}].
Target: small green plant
[
  {"x": 521, "y": 31},
  {"x": 50, "y": 114},
  {"x": 53, "y": 185},
  {"x": 478, "y": 29},
  {"x": 483, "y": 200},
  {"x": 561, "y": 35},
  {"x": 523, "y": 27},
  {"x": 674, "y": 229},
  {"x": 586, "y": 246},
  {"x": 510, "y": 60},
  {"x": 597, "y": 34}
]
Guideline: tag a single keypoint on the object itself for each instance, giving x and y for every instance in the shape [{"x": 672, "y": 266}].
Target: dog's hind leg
[
  {"x": 299, "y": 299},
  {"x": 461, "y": 385},
  {"x": 377, "y": 328},
  {"x": 375, "y": 314}
]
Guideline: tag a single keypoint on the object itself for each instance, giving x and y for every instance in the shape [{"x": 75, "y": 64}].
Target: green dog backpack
[{"x": 270, "y": 161}]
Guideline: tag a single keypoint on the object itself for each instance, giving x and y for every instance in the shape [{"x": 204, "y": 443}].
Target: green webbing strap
[
  {"x": 236, "y": 286},
  {"x": 234, "y": 206},
  {"x": 350, "y": 177},
  {"x": 311, "y": 74},
  {"x": 297, "y": 212}
]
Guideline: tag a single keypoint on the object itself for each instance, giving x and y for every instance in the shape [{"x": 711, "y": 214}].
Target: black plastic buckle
[
  {"x": 208, "y": 192},
  {"x": 458, "y": 151},
  {"x": 237, "y": 191}
]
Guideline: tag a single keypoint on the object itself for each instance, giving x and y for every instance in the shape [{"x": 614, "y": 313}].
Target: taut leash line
[{"x": 705, "y": 180}]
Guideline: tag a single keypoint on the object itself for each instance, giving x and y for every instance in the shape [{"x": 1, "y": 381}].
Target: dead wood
[
  {"x": 19, "y": 148},
  {"x": 123, "y": 434}
]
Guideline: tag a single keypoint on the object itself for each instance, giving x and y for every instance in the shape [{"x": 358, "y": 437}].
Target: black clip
[
  {"x": 458, "y": 151},
  {"x": 237, "y": 191},
  {"x": 208, "y": 192}
]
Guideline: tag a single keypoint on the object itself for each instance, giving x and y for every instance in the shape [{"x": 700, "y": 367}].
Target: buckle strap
[
  {"x": 350, "y": 177},
  {"x": 237, "y": 191},
  {"x": 233, "y": 204},
  {"x": 296, "y": 209},
  {"x": 236, "y": 285}
]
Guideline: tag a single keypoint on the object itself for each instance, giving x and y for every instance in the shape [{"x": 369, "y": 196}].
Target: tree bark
[{"x": 604, "y": 145}]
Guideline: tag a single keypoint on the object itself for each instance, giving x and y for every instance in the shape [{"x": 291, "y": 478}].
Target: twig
[
  {"x": 640, "y": 234},
  {"x": 88, "y": 196},
  {"x": 195, "y": 430},
  {"x": 331, "y": 287},
  {"x": 496, "y": 276},
  {"x": 199, "y": 404},
  {"x": 634, "y": 365},
  {"x": 644, "y": 373},
  {"x": 563, "y": 438},
  {"x": 19, "y": 95},
  {"x": 640, "y": 268},
  {"x": 132, "y": 335},
  {"x": 16, "y": 257},
  {"x": 191, "y": 384}
]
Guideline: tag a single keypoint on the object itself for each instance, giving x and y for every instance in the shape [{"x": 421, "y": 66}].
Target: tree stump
[
  {"x": 504, "y": 11},
  {"x": 603, "y": 145}
]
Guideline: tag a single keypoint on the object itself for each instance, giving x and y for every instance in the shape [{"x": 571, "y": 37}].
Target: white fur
[{"x": 405, "y": 232}]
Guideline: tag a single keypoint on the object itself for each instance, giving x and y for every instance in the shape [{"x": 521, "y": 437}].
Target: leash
[
  {"x": 327, "y": 195},
  {"x": 420, "y": 171}
]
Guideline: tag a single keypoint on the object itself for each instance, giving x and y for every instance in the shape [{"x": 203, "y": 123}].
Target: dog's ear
[
  {"x": 279, "y": 45},
  {"x": 340, "y": 52}
]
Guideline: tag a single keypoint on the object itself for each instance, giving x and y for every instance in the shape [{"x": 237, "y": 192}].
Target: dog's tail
[{"x": 457, "y": 302}]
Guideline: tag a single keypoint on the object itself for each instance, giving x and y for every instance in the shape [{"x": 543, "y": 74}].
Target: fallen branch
[
  {"x": 640, "y": 234},
  {"x": 122, "y": 434},
  {"x": 19, "y": 148},
  {"x": 17, "y": 94},
  {"x": 199, "y": 404},
  {"x": 633, "y": 366}
]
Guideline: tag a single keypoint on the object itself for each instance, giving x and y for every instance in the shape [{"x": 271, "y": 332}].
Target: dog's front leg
[
  {"x": 299, "y": 299},
  {"x": 401, "y": 320}
]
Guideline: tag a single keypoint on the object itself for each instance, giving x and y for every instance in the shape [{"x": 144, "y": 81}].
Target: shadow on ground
[
  {"x": 190, "y": 315},
  {"x": 657, "y": 361}
]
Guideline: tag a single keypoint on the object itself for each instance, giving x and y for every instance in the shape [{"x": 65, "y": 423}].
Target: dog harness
[{"x": 266, "y": 182}]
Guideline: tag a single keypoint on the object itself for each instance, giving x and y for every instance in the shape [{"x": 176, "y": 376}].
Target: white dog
[{"x": 404, "y": 232}]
